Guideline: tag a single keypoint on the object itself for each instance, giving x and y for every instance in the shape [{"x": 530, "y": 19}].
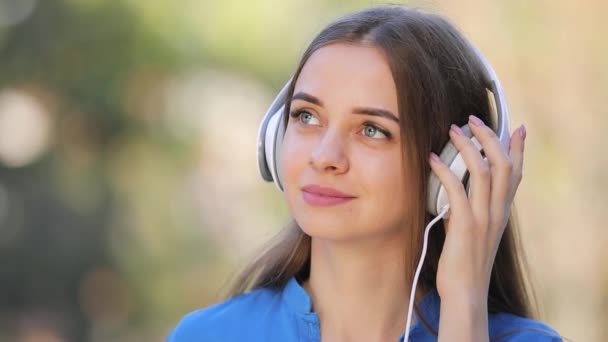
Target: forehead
[{"x": 355, "y": 74}]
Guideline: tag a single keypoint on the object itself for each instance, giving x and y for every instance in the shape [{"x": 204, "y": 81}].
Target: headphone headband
[{"x": 493, "y": 84}]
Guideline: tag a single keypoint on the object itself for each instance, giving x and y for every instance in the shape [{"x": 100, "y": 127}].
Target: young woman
[{"x": 375, "y": 93}]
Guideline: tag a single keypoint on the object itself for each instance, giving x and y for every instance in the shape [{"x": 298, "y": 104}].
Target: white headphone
[{"x": 271, "y": 131}]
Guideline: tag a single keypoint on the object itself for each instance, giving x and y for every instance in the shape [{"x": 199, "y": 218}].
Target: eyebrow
[{"x": 357, "y": 110}]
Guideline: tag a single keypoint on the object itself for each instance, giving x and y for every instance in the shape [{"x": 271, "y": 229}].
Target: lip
[{"x": 317, "y": 195}]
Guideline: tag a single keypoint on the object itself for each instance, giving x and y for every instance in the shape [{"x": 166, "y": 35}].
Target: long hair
[{"x": 439, "y": 82}]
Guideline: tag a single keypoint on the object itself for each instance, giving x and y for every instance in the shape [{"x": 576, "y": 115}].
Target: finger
[
  {"x": 457, "y": 196},
  {"x": 516, "y": 151},
  {"x": 480, "y": 174},
  {"x": 501, "y": 167}
]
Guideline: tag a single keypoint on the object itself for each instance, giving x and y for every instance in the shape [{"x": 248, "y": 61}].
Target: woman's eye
[
  {"x": 374, "y": 132},
  {"x": 305, "y": 117},
  {"x": 370, "y": 130}
]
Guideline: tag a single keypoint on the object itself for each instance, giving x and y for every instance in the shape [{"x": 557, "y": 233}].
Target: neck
[{"x": 359, "y": 288}]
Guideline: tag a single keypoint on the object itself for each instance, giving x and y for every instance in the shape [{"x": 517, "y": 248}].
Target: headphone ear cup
[
  {"x": 267, "y": 136},
  {"x": 272, "y": 144},
  {"x": 437, "y": 196},
  {"x": 278, "y": 145},
  {"x": 262, "y": 148}
]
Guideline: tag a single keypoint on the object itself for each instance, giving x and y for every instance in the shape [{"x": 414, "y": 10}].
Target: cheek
[
  {"x": 292, "y": 158},
  {"x": 384, "y": 182},
  {"x": 381, "y": 171}
]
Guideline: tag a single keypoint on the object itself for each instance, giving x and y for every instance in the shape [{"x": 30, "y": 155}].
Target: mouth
[{"x": 319, "y": 196}]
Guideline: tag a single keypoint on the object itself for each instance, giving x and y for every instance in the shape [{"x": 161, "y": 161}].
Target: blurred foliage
[
  {"x": 128, "y": 188},
  {"x": 90, "y": 65}
]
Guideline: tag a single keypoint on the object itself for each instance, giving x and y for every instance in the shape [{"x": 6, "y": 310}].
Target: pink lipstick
[{"x": 319, "y": 196}]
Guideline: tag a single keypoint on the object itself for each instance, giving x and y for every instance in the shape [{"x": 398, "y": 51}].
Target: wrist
[
  {"x": 464, "y": 318},
  {"x": 473, "y": 295},
  {"x": 469, "y": 304}
]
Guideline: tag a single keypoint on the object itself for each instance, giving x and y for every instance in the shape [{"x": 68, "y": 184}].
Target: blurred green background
[{"x": 129, "y": 193}]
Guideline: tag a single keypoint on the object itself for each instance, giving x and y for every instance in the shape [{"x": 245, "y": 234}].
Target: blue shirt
[{"x": 264, "y": 315}]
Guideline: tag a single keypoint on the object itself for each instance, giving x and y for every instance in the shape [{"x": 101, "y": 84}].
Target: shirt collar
[
  {"x": 296, "y": 298},
  {"x": 298, "y": 301}
]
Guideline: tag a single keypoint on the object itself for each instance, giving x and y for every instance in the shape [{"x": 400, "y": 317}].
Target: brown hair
[{"x": 439, "y": 82}]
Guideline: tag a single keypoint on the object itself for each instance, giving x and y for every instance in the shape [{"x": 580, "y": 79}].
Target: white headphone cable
[{"x": 424, "y": 245}]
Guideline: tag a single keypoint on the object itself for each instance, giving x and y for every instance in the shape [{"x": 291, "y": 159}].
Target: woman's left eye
[{"x": 374, "y": 132}]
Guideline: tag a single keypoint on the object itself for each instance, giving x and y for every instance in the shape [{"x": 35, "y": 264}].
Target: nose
[{"x": 329, "y": 154}]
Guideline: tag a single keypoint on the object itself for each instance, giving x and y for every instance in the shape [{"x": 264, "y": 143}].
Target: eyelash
[{"x": 296, "y": 114}]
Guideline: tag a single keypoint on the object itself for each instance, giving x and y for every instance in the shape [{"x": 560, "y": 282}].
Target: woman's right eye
[{"x": 304, "y": 117}]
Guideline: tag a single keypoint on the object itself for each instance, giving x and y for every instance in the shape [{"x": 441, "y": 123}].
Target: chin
[{"x": 327, "y": 227}]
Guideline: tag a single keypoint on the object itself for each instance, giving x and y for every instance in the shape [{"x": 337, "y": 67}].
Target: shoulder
[
  {"x": 216, "y": 322},
  {"x": 505, "y": 327}
]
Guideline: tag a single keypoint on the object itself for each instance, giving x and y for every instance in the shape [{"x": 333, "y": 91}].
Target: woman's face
[{"x": 343, "y": 133}]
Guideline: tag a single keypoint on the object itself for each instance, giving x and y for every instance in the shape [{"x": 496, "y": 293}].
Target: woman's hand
[{"x": 476, "y": 224}]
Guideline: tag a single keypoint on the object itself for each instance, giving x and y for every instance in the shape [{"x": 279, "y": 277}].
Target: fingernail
[
  {"x": 475, "y": 120},
  {"x": 435, "y": 158},
  {"x": 457, "y": 130},
  {"x": 522, "y": 131}
]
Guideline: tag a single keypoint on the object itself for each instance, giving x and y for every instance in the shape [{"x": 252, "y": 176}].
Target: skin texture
[{"x": 357, "y": 255}]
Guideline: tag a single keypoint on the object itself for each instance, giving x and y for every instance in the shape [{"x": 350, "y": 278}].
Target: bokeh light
[
  {"x": 12, "y": 12},
  {"x": 25, "y": 128}
]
